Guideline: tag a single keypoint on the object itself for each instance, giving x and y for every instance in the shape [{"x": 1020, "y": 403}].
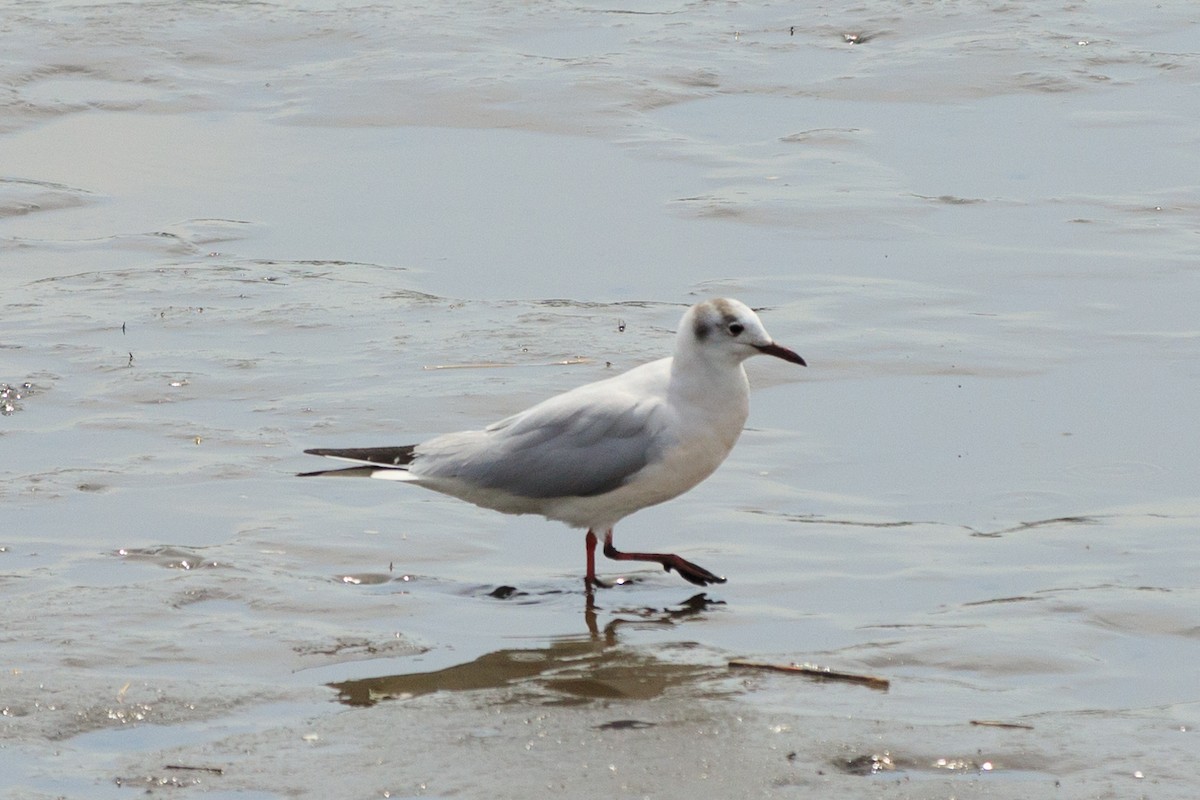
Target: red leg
[
  {"x": 590, "y": 541},
  {"x": 669, "y": 561},
  {"x": 591, "y": 580}
]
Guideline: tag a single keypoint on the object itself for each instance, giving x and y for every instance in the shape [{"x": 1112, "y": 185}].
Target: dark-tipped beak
[{"x": 778, "y": 351}]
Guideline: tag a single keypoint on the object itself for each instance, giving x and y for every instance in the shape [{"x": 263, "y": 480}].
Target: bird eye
[{"x": 736, "y": 328}]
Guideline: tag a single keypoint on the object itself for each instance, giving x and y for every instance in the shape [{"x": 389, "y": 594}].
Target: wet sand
[{"x": 230, "y": 233}]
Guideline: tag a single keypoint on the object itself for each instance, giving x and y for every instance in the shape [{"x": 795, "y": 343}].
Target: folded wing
[{"x": 555, "y": 449}]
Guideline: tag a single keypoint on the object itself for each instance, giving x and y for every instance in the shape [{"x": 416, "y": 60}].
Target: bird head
[{"x": 726, "y": 329}]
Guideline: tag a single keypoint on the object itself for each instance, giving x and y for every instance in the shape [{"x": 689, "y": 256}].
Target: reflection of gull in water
[
  {"x": 591, "y": 667},
  {"x": 598, "y": 453}
]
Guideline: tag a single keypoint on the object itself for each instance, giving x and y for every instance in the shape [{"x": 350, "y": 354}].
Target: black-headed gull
[{"x": 594, "y": 455}]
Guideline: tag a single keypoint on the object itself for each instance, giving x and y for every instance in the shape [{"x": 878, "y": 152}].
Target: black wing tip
[
  {"x": 378, "y": 455},
  {"x": 311, "y": 474},
  {"x": 362, "y": 471}
]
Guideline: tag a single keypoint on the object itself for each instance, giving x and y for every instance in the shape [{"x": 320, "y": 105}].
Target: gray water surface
[{"x": 231, "y": 232}]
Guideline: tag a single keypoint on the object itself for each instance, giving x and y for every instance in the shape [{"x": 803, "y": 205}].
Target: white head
[{"x": 727, "y": 330}]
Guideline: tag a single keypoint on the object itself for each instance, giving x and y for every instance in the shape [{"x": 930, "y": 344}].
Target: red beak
[{"x": 778, "y": 351}]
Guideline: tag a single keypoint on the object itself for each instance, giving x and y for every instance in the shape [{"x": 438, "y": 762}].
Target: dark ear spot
[{"x": 700, "y": 329}]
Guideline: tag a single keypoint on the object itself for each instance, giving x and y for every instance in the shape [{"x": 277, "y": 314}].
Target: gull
[{"x": 596, "y": 454}]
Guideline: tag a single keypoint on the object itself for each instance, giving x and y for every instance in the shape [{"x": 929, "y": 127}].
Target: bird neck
[{"x": 709, "y": 383}]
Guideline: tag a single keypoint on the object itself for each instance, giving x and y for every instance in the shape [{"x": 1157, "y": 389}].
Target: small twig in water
[
  {"x": 995, "y": 723},
  {"x": 211, "y": 770},
  {"x": 821, "y": 673}
]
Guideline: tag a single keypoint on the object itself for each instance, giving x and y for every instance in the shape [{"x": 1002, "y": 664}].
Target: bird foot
[{"x": 693, "y": 573}]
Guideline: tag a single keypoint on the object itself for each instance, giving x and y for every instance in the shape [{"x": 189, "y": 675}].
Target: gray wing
[{"x": 556, "y": 449}]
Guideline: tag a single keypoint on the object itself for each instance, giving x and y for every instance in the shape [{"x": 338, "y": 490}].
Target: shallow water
[{"x": 232, "y": 231}]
